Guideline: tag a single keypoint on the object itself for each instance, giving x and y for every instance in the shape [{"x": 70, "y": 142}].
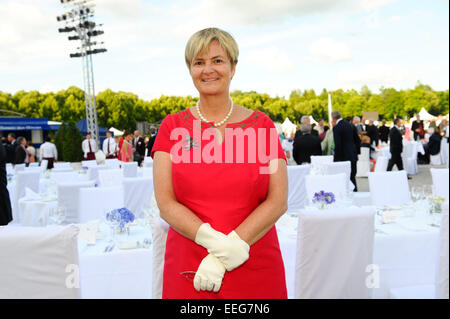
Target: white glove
[
  {"x": 209, "y": 274},
  {"x": 231, "y": 250}
]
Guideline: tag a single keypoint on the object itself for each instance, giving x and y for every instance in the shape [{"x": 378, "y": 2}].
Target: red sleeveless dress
[{"x": 222, "y": 184}]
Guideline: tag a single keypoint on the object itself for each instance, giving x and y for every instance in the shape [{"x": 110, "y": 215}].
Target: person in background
[
  {"x": 11, "y": 149},
  {"x": 383, "y": 131},
  {"x": 372, "y": 132},
  {"x": 324, "y": 133},
  {"x": 117, "y": 149},
  {"x": 22, "y": 156},
  {"x": 5, "y": 202},
  {"x": 32, "y": 151},
  {"x": 434, "y": 142},
  {"x": 151, "y": 140},
  {"x": 346, "y": 143},
  {"x": 306, "y": 145},
  {"x": 109, "y": 146},
  {"x": 48, "y": 152},
  {"x": 320, "y": 127},
  {"x": 328, "y": 143},
  {"x": 396, "y": 146},
  {"x": 366, "y": 142},
  {"x": 418, "y": 128},
  {"x": 139, "y": 147},
  {"x": 358, "y": 125},
  {"x": 127, "y": 147},
  {"x": 288, "y": 145},
  {"x": 89, "y": 148}
]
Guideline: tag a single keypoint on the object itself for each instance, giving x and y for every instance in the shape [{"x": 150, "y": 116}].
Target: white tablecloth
[
  {"x": 121, "y": 273},
  {"x": 405, "y": 253}
]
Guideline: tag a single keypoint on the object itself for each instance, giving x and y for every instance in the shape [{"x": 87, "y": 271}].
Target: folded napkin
[
  {"x": 88, "y": 232},
  {"x": 31, "y": 195},
  {"x": 390, "y": 216},
  {"x": 132, "y": 244}
]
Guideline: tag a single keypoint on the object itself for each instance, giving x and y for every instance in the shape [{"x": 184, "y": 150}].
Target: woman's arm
[
  {"x": 182, "y": 219},
  {"x": 262, "y": 219}
]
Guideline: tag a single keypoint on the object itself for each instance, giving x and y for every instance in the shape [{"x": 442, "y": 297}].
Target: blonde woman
[{"x": 221, "y": 203}]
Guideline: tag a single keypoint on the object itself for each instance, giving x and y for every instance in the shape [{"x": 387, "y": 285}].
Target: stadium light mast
[{"x": 79, "y": 24}]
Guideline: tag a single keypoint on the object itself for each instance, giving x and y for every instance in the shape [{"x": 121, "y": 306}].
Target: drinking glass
[
  {"x": 57, "y": 215},
  {"x": 112, "y": 219}
]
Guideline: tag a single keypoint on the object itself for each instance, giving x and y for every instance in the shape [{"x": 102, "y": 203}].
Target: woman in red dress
[{"x": 221, "y": 183}]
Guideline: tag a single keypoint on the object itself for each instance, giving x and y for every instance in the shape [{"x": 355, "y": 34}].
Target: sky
[{"x": 284, "y": 45}]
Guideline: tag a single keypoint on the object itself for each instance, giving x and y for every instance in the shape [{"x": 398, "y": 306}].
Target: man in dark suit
[
  {"x": 306, "y": 145},
  {"x": 418, "y": 128},
  {"x": 372, "y": 132},
  {"x": 11, "y": 148},
  {"x": 139, "y": 146},
  {"x": 21, "y": 155},
  {"x": 383, "y": 130},
  {"x": 305, "y": 120},
  {"x": 5, "y": 203},
  {"x": 151, "y": 141},
  {"x": 346, "y": 143},
  {"x": 396, "y": 146}
]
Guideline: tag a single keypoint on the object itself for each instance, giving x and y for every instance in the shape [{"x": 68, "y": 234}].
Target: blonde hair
[
  {"x": 365, "y": 139},
  {"x": 201, "y": 40}
]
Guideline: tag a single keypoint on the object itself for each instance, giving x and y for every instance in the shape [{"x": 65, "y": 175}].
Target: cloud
[
  {"x": 270, "y": 58},
  {"x": 373, "y": 75},
  {"x": 327, "y": 50}
]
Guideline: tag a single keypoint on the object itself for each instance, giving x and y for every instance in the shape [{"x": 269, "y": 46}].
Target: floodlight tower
[{"x": 78, "y": 21}]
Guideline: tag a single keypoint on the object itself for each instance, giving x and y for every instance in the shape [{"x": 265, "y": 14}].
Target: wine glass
[
  {"x": 112, "y": 219},
  {"x": 57, "y": 215}
]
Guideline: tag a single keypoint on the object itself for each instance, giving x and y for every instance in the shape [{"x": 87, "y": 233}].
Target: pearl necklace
[{"x": 197, "y": 106}]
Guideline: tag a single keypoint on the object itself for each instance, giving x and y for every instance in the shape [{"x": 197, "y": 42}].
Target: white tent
[
  {"x": 288, "y": 127},
  {"x": 424, "y": 115},
  {"x": 115, "y": 131}
]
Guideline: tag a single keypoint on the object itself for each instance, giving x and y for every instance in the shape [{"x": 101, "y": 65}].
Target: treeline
[{"x": 124, "y": 109}]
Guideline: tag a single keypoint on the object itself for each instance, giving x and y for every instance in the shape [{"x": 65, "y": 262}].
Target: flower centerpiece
[
  {"x": 121, "y": 217},
  {"x": 322, "y": 199}
]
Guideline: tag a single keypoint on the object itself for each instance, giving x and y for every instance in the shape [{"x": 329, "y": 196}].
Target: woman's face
[{"x": 212, "y": 72}]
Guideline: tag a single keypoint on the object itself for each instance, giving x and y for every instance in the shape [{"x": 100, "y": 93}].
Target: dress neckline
[{"x": 234, "y": 123}]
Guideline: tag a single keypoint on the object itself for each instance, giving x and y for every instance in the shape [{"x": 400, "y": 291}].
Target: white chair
[
  {"x": 444, "y": 151},
  {"x": 39, "y": 263},
  {"x": 329, "y": 183},
  {"x": 334, "y": 249},
  {"x": 110, "y": 177},
  {"x": 112, "y": 163},
  {"x": 62, "y": 169},
  {"x": 440, "y": 289},
  {"x": 440, "y": 179},
  {"x": 68, "y": 198},
  {"x": 148, "y": 161},
  {"x": 89, "y": 163},
  {"x": 382, "y": 163},
  {"x": 129, "y": 169},
  {"x": 44, "y": 164},
  {"x": 147, "y": 171},
  {"x": 363, "y": 163},
  {"x": 159, "y": 236},
  {"x": 389, "y": 188},
  {"x": 318, "y": 161},
  {"x": 93, "y": 202},
  {"x": 297, "y": 198},
  {"x": 137, "y": 193},
  {"x": 24, "y": 179},
  {"x": 338, "y": 168},
  {"x": 63, "y": 177},
  {"x": 92, "y": 173},
  {"x": 34, "y": 164},
  {"x": 19, "y": 167},
  {"x": 436, "y": 160},
  {"x": 409, "y": 157}
]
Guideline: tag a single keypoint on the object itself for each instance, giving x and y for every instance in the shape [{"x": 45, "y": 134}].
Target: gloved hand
[
  {"x": 231, "y": 250},
  {"x": 209, "y": 274}
]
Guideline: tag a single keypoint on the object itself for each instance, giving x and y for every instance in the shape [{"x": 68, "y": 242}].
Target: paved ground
[{"x": 423, "y": 177}]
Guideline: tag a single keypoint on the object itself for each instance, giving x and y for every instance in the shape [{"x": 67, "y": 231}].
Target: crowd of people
[
  {"x": 344, "y": 139},
  {"x": 127, "y": 148}
]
